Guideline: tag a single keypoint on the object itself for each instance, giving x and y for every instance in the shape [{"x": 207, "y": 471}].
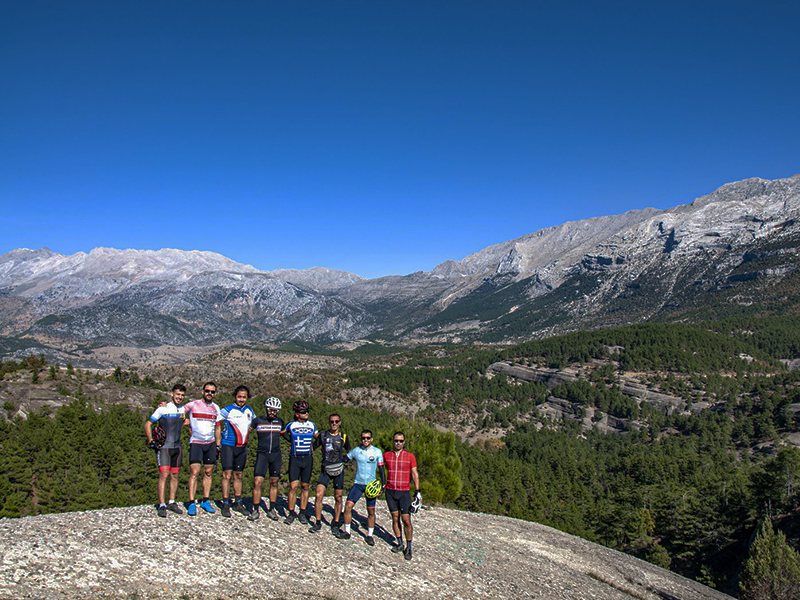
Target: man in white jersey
[{"x": 204, "y": 444}]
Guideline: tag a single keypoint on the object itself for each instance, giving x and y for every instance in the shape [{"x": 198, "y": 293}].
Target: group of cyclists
[{"x": 223, "y": 433}]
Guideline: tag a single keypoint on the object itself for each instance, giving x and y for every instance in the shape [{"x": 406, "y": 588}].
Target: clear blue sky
[{"x": 382, "y": 136}]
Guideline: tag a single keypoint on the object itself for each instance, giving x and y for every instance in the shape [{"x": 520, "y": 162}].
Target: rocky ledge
[{"x": 131, "y": 553}]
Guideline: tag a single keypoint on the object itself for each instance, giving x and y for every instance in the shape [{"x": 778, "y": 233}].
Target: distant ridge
[{"x": 729, "y": 252}]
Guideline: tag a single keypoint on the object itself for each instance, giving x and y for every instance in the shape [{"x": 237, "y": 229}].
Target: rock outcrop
[{"x": 131, "y": 553}]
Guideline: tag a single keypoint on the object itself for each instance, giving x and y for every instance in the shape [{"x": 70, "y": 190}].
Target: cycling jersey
[
  {"x": 236, "y": 423},
  {"x": 301, "y": 434},
  {"x": 398, "y": 469},
  {"x": 269, "y": 433},
  {"x": 333, "y": 447},
  {"x": 367, "y": 462},
  {"x": 170, "y": 419},
  {"x": 202, "y": 419}
]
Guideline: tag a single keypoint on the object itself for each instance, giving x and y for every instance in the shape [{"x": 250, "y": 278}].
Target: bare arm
[{"x": 415, "y": 477}]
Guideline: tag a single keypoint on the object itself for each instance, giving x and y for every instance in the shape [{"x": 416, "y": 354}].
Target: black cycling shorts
[
  {"x": 325, "y": 479},
  {"x": 169, "y": 459},
  {"x": 203, "y": 453},
  {"x": 398, "y": 500},
  {"x": 268, "y": 461},
  {"x": 300, "y": 468},
  {"x": 233, "y": 458}
]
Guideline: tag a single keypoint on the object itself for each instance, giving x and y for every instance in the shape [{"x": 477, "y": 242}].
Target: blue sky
[{"x": 379, "y": 137}]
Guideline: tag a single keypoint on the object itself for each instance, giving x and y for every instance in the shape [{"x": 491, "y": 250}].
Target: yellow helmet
[{"x": 374, "y": 489}]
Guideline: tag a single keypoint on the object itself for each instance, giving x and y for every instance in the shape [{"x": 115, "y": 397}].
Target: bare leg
[
  {"x": 304, "y": 497},
  {"x": 173, "y": 486},
  {"x": 257, "y": 483},
  {"x": 207, "y": 471},
  {"x": 318, "y": 501},
  {"x": 162, "y": 485},
  {"x": 194, "y": 471},
  {"x": 226, "y": 484},
  {"x": 293, "y": 493}
]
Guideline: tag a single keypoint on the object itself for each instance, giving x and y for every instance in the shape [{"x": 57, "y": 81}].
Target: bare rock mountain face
[
  {"x": 735, "y": 247},
  {"x": 130, "y": 553}
]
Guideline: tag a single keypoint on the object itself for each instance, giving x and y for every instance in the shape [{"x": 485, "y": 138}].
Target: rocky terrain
[
  {"x": 129, "y": 553},
  {"x": 735, "y": 247}
]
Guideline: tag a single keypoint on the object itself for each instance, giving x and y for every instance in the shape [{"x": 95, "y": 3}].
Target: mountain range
[{"x": 732, "y": 252}]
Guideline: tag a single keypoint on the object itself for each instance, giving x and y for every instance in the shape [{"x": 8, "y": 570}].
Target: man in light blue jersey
[{"x": 369, "y": 461}]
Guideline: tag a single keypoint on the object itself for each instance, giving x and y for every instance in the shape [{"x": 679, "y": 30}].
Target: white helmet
[
  {"x": 273, "y": 403},
  {"x": 416, "y": 504}
]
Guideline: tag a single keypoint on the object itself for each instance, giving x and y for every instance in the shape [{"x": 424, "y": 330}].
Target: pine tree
[{"x": 772, "y": 571}]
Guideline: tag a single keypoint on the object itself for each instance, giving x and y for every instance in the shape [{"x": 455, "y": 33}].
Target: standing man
[
  {"x": 334, "y": 446},
  {"x": 168, "y": 457},
  {"x": 401, "y": 469},
  {"x": 235, "y": 421},
  {"x": 369, "y": 459},
  {"x": 268, "y": 457},
  {"x": 300, "y": 434},
  {"x": 203, "y": 445}
]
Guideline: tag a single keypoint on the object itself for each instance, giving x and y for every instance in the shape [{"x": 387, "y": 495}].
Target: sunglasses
[
  {"x": 398, "y": 441},
  {"x": 366, "y": 438},
  {"x": 212, "y": 392},
  {"x": 332, "y": 421}
]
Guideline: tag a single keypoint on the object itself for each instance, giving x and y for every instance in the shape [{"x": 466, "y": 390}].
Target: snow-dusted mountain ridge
[{"x": 734, "y": 245}]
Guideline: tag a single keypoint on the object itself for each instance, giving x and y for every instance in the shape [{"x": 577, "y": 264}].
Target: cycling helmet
[
  {"x": 373, "y": 489},
  {"x": 300, "y": 406},
  {"x": 273, "y": 403},
  {"x": 159, "y": 437},
  {"x": 416, "y": 504}
]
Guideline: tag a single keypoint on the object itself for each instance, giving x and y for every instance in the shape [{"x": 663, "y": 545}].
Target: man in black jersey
[
  {"x": 334, "y": 446},
  {"x": 268, "y": 457},
  {"x": 170, "y": 418}
]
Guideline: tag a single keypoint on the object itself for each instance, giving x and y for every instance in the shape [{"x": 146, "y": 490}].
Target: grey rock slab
[{"x": 131, "y": 553}]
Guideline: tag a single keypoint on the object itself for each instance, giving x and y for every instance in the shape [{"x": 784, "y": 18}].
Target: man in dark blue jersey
[{"x": 300, "y": 434}]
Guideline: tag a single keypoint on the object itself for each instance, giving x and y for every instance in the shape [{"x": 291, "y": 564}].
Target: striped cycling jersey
[
  {"x": 302, "y": 434},
  {"x": 170, "y": 418},
  {"x": 203, "y": 418},
  {"x": 269, "y": 433},
  {"x": 367, "y": 462},
  {"x": 236, "y": 423}
]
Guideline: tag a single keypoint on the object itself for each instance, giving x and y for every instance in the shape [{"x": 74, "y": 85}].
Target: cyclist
[
  {"x": 168, "y": 457},
  {"x": 203, "y": 416},
  {"x": 235, "y": 419},
  {"x": 335, "y": 445},
  {"x": 401, "y": 469},
  {"x": 300, "y": 434},
  {"x": 369, "y": 460},
  {"x": 268, "y": 457}
]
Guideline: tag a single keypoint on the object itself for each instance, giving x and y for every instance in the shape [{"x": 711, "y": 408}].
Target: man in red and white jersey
[
  {"x": 401, "y": 469},
  {"x": 203, "y": 415}
]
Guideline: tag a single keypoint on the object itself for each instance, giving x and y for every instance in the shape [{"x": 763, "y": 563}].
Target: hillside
[{"x": 127, "y": 553}]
